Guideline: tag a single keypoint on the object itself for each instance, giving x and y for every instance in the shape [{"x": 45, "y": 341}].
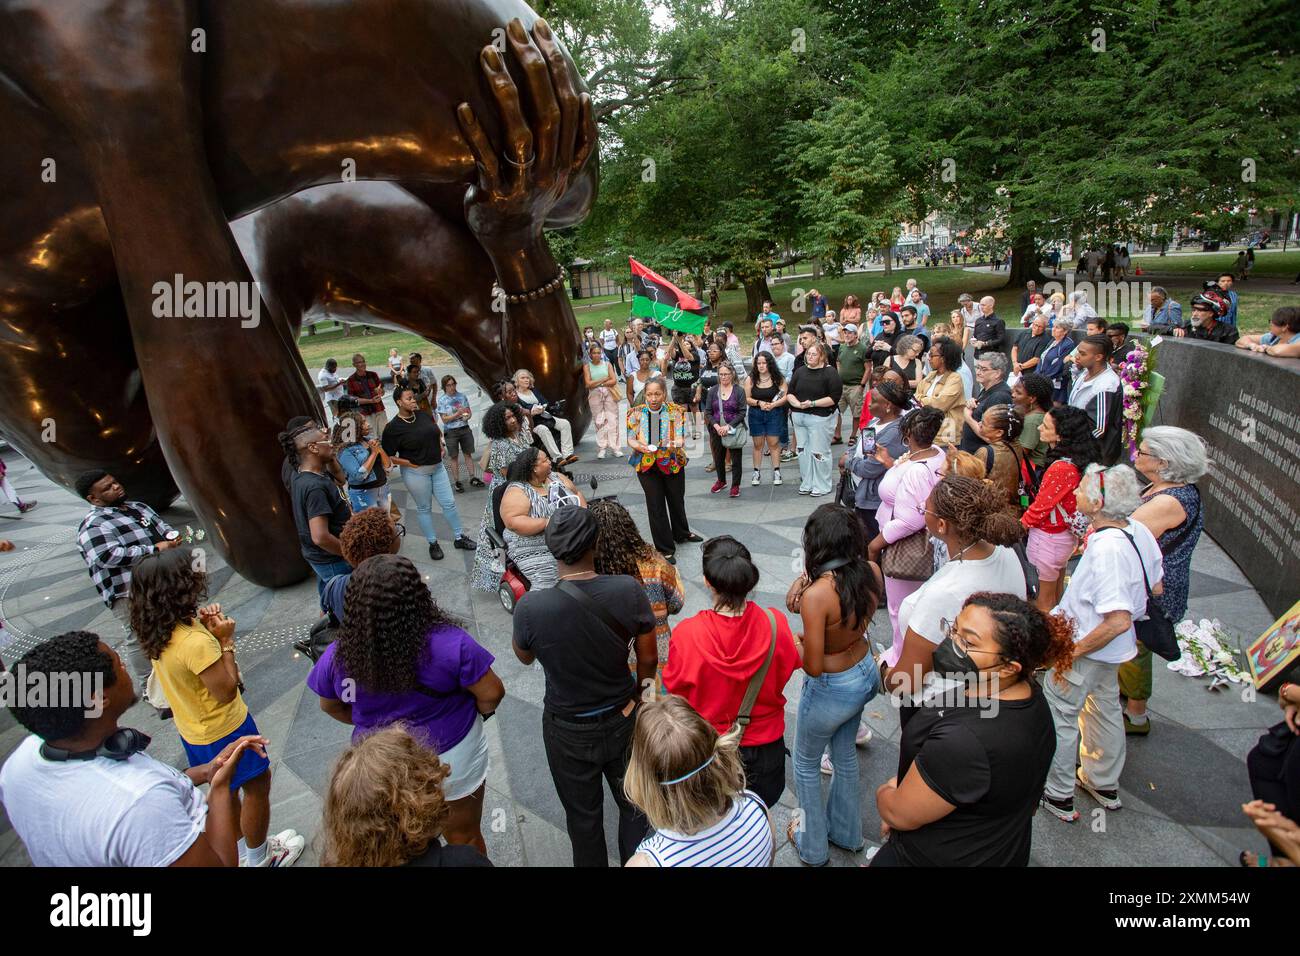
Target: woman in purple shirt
[
  {"x": 399, "y": 657},
  {"x": 725, "y": 409}
]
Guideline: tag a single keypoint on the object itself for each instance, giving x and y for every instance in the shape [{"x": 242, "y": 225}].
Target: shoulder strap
[
  {"x": 756, "y": 682},
  {"x": 1142, "y": 564},
  {"x": 591, "y": 605}
]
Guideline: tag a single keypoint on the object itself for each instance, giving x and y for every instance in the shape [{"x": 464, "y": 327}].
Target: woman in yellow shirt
[{"x": 193, "y": 652}]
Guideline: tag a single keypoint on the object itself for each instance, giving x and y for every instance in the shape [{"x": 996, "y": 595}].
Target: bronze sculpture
[{"x": 137, "y": 129}]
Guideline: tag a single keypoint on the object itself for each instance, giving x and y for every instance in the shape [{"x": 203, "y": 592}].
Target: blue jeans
[
  {"x": 812, "y": 437},
  {"x": 830, "y": 707},
  {"x": 424, "y": 483},
  {"x": 326, "y": 571}
]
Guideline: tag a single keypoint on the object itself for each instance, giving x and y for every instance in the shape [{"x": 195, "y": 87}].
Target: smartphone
[{"x": 868, "y": 441}]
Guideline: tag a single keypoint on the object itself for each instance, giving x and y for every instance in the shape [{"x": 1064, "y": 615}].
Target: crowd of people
[{"x": 979, "y": 500}]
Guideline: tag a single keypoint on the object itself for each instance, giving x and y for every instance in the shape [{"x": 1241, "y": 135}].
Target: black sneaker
[
  {"x": 435, "y": 551},
  {"x": 464, "y": 544},
  {"x": 460, "y": 488},
  {"x": 477, "y": 482},
  {"x": 1061, "y": 809}
]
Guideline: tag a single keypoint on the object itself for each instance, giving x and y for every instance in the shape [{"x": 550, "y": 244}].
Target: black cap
[{"x": 571, "y": 533}]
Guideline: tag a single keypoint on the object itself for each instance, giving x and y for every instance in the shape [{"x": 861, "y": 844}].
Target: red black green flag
[{"x": 657, "y": 299}]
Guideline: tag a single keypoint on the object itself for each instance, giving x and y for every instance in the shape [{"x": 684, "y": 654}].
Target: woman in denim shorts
[{"x": 765, "y": 394}]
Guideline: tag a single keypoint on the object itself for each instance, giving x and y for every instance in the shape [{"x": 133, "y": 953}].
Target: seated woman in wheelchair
[{"x": 556, "y": 433}]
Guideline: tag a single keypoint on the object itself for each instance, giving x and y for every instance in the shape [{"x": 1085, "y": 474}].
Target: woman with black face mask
[{"x": 972, "y": 765}]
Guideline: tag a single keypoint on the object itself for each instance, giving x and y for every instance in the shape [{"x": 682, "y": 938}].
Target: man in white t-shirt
[
  {"x": 80, "y": 791},
  {"x": 609, "y": 341},
  {"x": 1106, "y": 594},
  {"x": 330, "y": 386}
]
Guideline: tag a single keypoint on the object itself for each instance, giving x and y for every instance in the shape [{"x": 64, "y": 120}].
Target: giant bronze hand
[{"x": 519, "y": 184}]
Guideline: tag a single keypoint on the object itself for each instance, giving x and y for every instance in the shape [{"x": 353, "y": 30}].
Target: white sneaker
[
  {"x": 864, "y": 735},
  {"x": 600, "y": 454},
  {"x": 285, "y": 848},
  {"x": 756, "y": 480},
  {"x": 776, "y": 477},
  {"x": 826, "y": 765}
]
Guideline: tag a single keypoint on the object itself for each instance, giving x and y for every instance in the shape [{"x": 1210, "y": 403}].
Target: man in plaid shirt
[{"x": 115, "y": 535}]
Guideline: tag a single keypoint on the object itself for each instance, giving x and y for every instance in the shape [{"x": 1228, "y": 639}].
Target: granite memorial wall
[{"x": 1247, "y": 408}]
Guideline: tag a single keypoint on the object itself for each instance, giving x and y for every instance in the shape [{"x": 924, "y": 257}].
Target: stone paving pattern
[{"x": 1182, "y": 786}]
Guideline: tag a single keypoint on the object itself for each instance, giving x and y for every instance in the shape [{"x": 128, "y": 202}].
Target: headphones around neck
[{"x": 122, "y": 744}]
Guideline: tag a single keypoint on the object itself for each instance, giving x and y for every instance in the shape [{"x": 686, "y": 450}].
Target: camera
[{"x": 556, "y": 409}]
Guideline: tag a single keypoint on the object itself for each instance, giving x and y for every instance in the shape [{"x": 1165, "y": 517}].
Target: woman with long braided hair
[
  {"x": 969, "y": 776},
  {"x": 1000, "y": 428},
  {"x": 400, "y": 657},
  {"x": 620, "y": 549},
  {"x": 971, "y": 518}
]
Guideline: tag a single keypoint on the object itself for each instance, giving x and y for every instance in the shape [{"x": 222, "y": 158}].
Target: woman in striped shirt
[{"x": 690, "y": 784}]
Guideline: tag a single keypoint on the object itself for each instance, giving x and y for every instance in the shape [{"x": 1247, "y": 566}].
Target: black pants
[
  {"x": 665, "y": 505},
  {"x": 870, "y": 526},
  {"x": 765, "y": 770},
  {"x": 720, "y": 452},
  {"x": 887, "y": 855},
  {"x": 1273, "y": 766},
  {"x": 579, "y": 755}
]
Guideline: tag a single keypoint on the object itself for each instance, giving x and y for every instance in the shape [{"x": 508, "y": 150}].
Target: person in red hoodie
[{"x": 713, "y": 655}]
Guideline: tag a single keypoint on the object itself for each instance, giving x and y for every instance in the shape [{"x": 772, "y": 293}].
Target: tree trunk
[
  {"x": 1024, "y": 263},
  {"x": 698, "y": 279},
  {"x": 756, "y": 292}
]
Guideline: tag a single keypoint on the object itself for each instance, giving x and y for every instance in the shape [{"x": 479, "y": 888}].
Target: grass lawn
[
  {"x": 1276, "y": 265},
  {"x": 330, "y": 343}
]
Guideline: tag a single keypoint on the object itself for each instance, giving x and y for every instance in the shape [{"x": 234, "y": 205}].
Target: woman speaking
[{"x": 657, "y": 434}]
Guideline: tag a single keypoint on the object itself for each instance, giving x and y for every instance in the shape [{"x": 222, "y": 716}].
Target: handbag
[
  {"x": 910, "y": 558},
  {"x": 1157, "y": 632},
  {"x": 323, "y": 633},
  {"x": 738, "y": 437},
  {"x": 846, "y": 494},
  {"x": 756, "y": 682}
]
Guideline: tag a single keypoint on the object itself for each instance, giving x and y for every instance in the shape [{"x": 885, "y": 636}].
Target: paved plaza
[{"x": 1183, "y": 786}]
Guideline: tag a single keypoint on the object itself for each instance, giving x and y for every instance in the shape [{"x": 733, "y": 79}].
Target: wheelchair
[{"x": 514, "y": 584}]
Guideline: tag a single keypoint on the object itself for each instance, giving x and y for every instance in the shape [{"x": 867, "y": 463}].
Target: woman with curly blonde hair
[
  {"x": 386, "y": 806},
  {"x": 690, "y": 783},
  {"x": 400, "y": 658}
]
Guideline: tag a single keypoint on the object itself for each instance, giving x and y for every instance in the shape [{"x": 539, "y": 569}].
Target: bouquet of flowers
[
  {"x": 1208, "y": 649},
  {"x": 1142, "y": 386}
]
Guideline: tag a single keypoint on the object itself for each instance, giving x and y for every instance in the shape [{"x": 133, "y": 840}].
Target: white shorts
[{"x": 468, "y": 761}]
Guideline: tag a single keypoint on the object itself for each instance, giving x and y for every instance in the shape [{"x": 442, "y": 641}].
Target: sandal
[
  {"x": 789, "y": 836},
  {"x": 1258, "y": 860}
]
